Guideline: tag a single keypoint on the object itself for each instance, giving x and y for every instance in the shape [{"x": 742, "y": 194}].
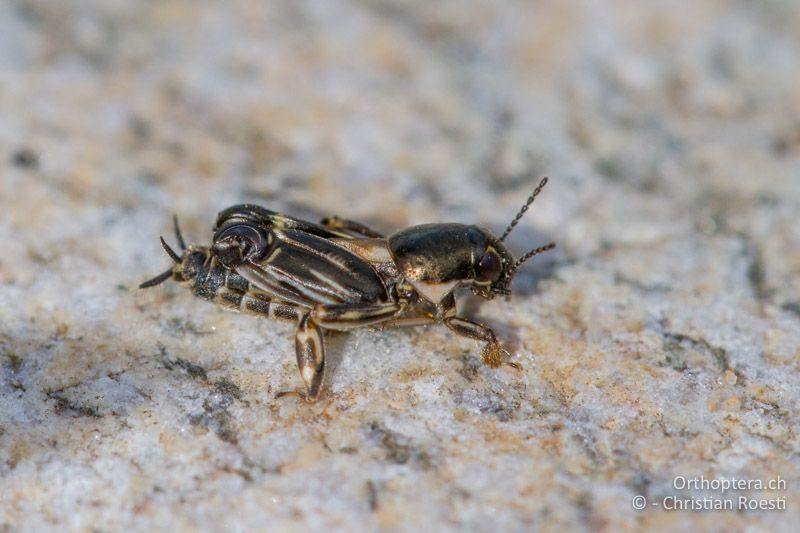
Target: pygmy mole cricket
[{"x": 340, "y": 274}]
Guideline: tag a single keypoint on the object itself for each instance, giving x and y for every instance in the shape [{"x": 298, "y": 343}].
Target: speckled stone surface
[{"x": 662, "y": 339}]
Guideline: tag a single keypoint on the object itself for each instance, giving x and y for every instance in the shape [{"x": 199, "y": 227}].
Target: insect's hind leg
[
  {"x": 310, "y": 349},
  {"x": 350, "y": 226},
  {"x": 493, "y": 354},
  {"x": 310, "y": 344},
  {"x": 349, "y": 316}
]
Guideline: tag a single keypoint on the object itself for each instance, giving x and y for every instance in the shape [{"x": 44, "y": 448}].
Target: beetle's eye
[
  {"x": 489, "y": 267},
  {"x": 240, "y": 242}
]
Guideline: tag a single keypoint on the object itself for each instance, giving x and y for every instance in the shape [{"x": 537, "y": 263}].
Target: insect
[{"x": 339, "y": 275}]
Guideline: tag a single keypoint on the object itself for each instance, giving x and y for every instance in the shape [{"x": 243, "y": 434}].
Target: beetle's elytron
[{"x": 340, "y": 275}]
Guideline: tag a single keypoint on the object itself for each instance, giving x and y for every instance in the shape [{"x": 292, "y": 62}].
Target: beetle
[{"x": 340, "y": 274}]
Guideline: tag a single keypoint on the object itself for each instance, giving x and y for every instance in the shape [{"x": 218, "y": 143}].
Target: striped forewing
[
  {"x": 251, "y": 213},
  {"x": 306, "y": 269}
]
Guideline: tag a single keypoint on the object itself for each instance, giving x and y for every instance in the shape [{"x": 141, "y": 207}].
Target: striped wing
[
  {"x": 270, "y": 219},
  {"x": 306, "y": 269}
]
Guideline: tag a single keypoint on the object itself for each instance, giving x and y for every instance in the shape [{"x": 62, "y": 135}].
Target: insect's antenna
[
  {"x": 178, "y": 234},
  {"x": 525, "y": 207},
  {"x": 535, "y": 251},
  {"x": 161, "y": 278},
  {"x": 170, "y": 252}
]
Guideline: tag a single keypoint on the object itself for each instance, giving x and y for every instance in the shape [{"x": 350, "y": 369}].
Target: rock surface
[{"x": 661, "y": 340}]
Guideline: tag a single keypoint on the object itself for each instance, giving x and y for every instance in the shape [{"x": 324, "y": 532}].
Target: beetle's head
[
  {"x": 194, "y": 261},
  {"x": 492, "y": 280},
  {"x": 508, "y": 266},
  {"x": 492, "y": 267}
]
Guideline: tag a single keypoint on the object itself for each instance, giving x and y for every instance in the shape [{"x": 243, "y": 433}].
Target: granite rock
[{"x": 660, "y": 341}]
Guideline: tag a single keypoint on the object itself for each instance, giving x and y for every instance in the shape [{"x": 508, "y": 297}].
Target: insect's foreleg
[
  {"x": 492, "y": 354},
  {"x": 350, "y": 226}
]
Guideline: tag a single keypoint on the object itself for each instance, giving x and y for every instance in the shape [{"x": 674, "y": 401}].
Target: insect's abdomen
[
  {"x": 256, "y": 303},
  {"x": 233, "y": 292}
]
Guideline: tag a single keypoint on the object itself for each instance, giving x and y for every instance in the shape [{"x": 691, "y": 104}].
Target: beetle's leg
[
  {"x": 349, "y": 316},
  {"x": 407, "y": 322},
  {"x": 350, "y": 226},
  {"x": 310, "y": 346},
  {"x": 310, "y": 349},
  {"x": 492, "y": 354}
]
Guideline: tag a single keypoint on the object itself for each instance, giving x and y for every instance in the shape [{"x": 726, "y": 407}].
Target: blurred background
[{"x": 666, "y": 320}]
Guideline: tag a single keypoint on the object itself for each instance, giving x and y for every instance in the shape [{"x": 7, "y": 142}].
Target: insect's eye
[
  {"x": 240, "y": 242},
  {"x": 490, "y": 267}
]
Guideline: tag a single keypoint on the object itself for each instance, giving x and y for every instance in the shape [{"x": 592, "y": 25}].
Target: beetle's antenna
[
  {"x": 161, "y": 278},
  {"x": 525, "y": 207},
  {"x": 535, "y": 251},
  {"x": 170, "y": 252},
  {"x": 178, "y": 234}
]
